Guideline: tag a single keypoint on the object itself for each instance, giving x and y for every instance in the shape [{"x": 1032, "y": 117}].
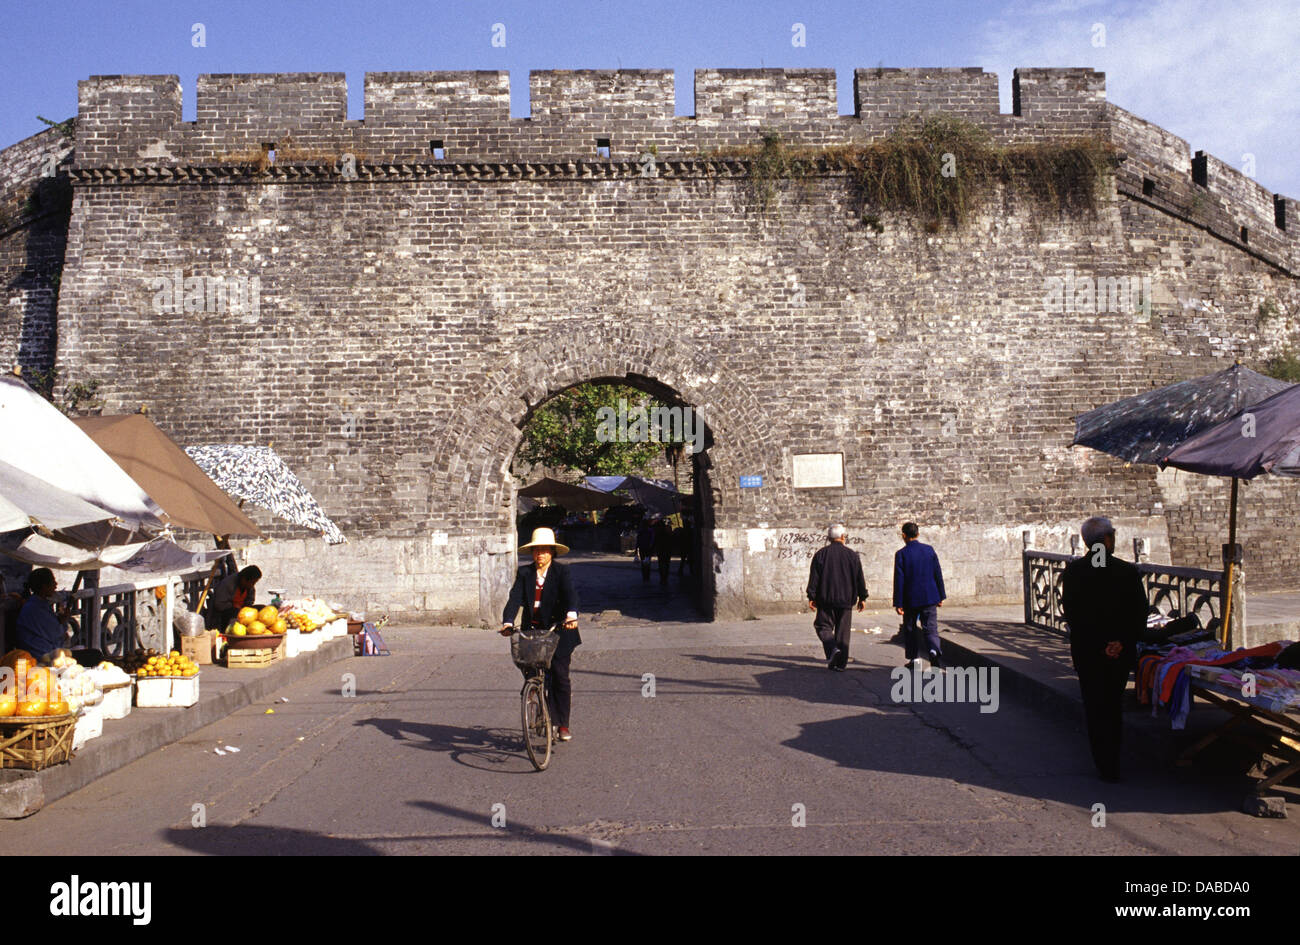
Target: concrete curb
[{"x": 164, "y": 727}]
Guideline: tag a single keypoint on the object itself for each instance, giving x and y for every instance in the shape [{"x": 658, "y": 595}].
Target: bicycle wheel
[{"x": 536, "y": 721}]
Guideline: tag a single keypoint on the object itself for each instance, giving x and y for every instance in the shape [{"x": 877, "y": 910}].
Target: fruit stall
[{"x": 48, "y": 712}]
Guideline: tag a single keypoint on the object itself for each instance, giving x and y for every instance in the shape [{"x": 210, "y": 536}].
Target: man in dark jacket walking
[
  {"x": 1105, "y": 605},
  {"x": 918, "y": 593},
  {"x": 835, "y": 582}
]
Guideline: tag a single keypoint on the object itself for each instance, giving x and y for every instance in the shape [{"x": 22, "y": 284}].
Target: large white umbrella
[
  {"x": 43, "y": 443},
  {"x": 159, "y": 556},
  {"x": 27, "y": 502}
]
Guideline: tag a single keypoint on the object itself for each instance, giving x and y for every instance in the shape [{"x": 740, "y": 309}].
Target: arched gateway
[{"x": 386, "y": 299}]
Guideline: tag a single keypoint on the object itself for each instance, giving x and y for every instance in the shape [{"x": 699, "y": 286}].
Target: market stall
[{"x": 1258, "y": 686}]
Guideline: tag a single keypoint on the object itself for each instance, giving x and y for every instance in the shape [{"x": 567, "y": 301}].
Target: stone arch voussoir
[{"x": 482, "y": 440}]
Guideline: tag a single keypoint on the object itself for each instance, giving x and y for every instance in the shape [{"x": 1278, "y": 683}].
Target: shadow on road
[
  {"x": 252, "y": 840},
  {"x": 488, "y": 749},
  {"x": 546, "y": 836},
  {"x": 613, "y": 583},
  {"x": 1059, "y": 770}
]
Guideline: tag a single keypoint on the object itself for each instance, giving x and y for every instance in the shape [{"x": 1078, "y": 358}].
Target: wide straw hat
[{"x": 544, "y": 537}]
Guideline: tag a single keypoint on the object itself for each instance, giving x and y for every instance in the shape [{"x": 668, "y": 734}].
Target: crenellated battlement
[
  {"x": 1160, "y": 169},
  {"x": 134, "y": 122}
]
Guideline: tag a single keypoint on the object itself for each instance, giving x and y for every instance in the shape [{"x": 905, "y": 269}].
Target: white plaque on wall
[{"x": 818, "y": 470}]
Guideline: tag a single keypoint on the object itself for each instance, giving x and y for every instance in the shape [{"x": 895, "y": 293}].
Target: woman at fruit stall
[
  {"x": 40, "y": 627},
  {"x": 232, "y": 594}
]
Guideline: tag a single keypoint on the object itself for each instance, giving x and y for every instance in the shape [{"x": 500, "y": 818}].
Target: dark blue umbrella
[
  {"x": 1147, "y": 427},
  {"x": 1264, "y": 438}
]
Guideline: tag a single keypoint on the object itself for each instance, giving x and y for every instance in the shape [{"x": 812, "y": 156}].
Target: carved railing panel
[
  {"x": 1172, "y": 591},
  {"x": 116, "y": 619}
]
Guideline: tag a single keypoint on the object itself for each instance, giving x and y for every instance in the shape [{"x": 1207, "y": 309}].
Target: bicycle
[{"x": 532, "y": 652}]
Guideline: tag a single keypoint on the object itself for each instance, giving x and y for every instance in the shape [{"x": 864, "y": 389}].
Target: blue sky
[{"x": 1220, "y": 74}]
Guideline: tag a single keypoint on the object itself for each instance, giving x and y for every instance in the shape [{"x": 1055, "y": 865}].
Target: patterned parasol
[
  {"x": 258, "y": 475},
  {"x": 1145, "y": 428}
]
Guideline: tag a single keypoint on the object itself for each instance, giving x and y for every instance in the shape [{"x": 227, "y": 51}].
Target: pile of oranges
[
  {"x": 257, "y": 623},
  {"x": 173, "y": 664},
  {"x": 31, "y": 691}
]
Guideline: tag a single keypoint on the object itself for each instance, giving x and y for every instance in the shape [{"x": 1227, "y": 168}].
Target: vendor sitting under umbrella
[
  {"x": 39, "y": 626},
  {"x": 234, "y": 593}
]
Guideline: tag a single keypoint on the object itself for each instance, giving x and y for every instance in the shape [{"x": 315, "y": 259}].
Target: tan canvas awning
[{"x": 189, "y": 497}]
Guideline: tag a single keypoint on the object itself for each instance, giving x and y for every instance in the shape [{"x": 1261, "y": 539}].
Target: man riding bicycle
[{"x": 544, "y": 590}]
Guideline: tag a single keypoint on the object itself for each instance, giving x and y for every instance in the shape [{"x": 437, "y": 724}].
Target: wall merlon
[
  {"x": 454, "y": 98},
  {"x": 1243, "y": 193},
  {"x": 891, "y": 94},
  {"x": 758, "y": 95},
  {"x": 1038, "y": 93},
  {"x": 581, "y": 95},
  {"x": 255, "y": 105}
]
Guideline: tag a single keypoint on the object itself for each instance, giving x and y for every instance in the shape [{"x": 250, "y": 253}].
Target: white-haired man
[
  {"x": 1105, "y": 605},
  {"x": 835, "y": 582}
]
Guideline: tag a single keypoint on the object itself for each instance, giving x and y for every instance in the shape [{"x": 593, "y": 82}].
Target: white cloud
[{"x": 1219, "y": 73}]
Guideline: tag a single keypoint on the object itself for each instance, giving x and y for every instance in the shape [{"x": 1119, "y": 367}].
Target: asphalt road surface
[{"x": 746, "y": 737}]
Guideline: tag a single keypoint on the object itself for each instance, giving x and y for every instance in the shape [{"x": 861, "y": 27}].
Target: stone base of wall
[
  {"x": 766, "y": 569},
  {"x": 757, "y": 570}
]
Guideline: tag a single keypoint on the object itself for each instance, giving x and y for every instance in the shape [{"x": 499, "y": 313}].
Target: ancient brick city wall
[
  {"x": 410, "y": 318},
  {"x": 35, "y": 205}
]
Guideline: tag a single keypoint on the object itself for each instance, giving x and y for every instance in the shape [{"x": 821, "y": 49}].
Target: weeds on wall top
[
  {"x": 937, "y": 167},
  {"x": 259, "y": 159},
  {"x": 67, "y": 128}
]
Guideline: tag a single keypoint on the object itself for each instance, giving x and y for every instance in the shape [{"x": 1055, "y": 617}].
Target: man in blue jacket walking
[{"x": 918, "y": 593}]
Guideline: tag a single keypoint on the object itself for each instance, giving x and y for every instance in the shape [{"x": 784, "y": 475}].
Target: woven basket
[
  {"x": 531, "y": 651},
  {"x": 36, "y": 744}
]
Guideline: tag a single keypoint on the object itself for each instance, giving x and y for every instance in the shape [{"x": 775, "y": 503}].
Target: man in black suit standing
[
  {"x": 1105, "y": 605},
  {"x": 544, "y": 589},
  {"x": 835, "y": 582}
]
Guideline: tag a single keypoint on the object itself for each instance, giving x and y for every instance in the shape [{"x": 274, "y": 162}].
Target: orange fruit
[
  {"x": 57, "y": 708},
  {"x": 280, "y": 625},
  {"x": 268, "y": 615},
  {"x": 247, "y": 615},
  {"x": 256, "y": 626},
  {"x": 30, "y": 709},
  {"x": 13, "y": 656},
  {"x": 8, "y": 705},
  {"x": 38, "y": 684}
]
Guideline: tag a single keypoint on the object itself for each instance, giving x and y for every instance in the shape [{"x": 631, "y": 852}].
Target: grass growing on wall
[
  {"x": 937, "y": 167},
  {"x": 1285, "y": 366}
]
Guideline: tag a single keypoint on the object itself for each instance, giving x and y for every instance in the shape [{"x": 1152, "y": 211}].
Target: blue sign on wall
[{"x": 750, "y": 482}]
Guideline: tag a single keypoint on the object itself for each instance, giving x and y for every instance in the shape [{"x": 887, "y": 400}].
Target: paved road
[{"x": 745, "y": 723}]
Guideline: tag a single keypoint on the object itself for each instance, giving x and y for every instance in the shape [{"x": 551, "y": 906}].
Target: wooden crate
[
  {"x": 36, "y": 744},
  {"x": 254, "y": 659}
]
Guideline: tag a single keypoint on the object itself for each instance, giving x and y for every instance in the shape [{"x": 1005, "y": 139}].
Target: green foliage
[
  {"x": 561, "y": 433},
  {"x": 938, "y": 167},
  {"x": 1268, "y": 309},
  {"x": 775, "y": 161},
  {"x": 1284, "y": 367},
  {"x": 75, "y": 395},
  {"x": 66, "y": 128}
]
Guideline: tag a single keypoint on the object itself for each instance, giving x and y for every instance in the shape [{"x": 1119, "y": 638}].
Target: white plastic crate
[
  {"x": 117, "y": 702},
  {"x": 166, "y": 692},
  {"x": 90, "y": 724}
]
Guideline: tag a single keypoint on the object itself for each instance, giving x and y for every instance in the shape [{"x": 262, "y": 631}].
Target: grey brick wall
[
  {"x": 411, "y": 318},
  {"x": 34, "y": 215}
]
